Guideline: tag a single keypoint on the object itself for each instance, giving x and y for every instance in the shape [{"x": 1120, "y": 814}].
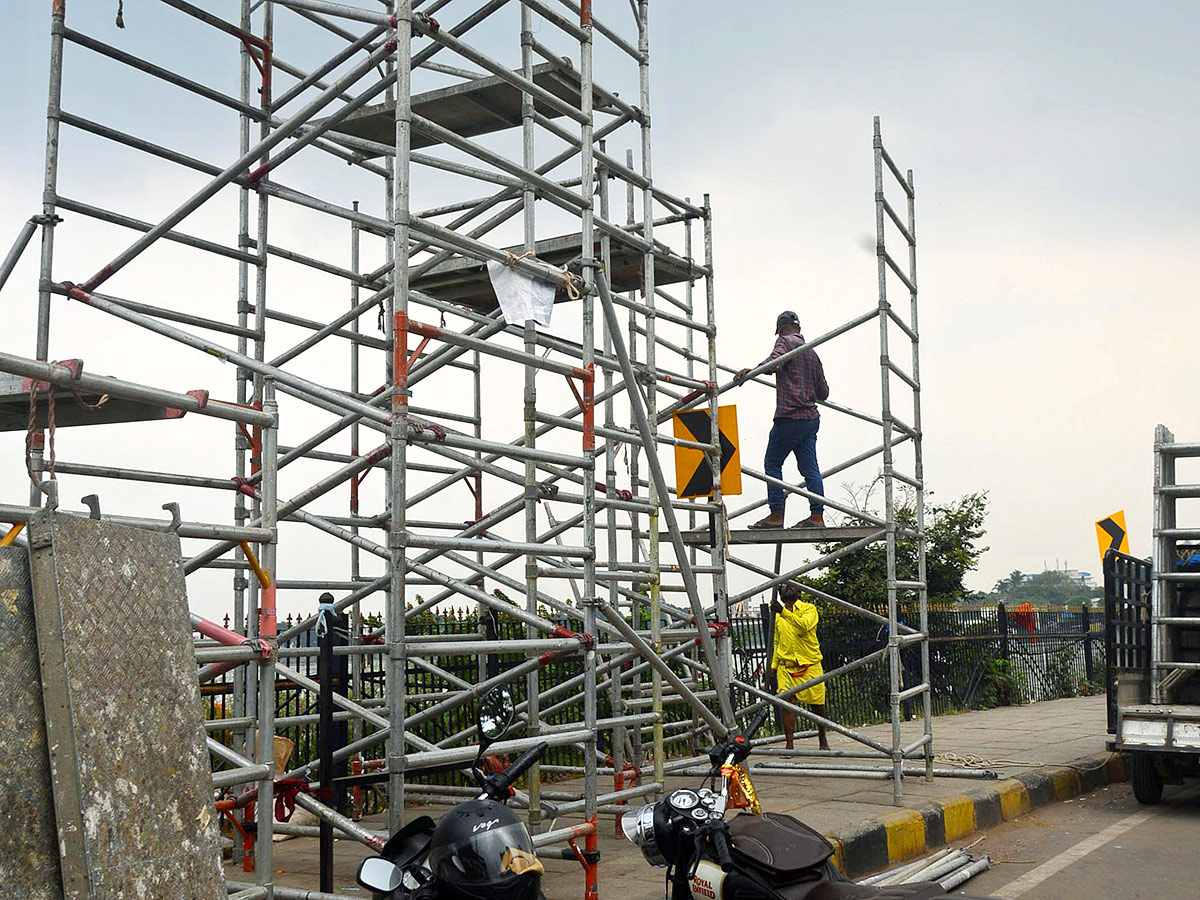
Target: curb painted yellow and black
[{"x": 908, "y": 833}]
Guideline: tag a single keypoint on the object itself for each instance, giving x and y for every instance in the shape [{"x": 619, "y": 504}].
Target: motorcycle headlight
[{"x": 639, "y": 828}]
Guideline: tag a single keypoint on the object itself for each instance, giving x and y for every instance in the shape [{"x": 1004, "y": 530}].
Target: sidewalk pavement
[{"x": 1028, "y": 746}]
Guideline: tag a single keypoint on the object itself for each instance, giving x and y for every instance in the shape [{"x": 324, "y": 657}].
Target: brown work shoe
[
  {"x": 816, "y": 521},
  {"x": 771, "y": 521}
]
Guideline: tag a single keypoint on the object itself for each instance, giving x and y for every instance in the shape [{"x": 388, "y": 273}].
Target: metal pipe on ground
[
  {"x": 917, "y": 871},
  {"x": 823, "y": 754},
  {"x": 900, "y": 871},
  {"x": 940, "y": 869},
  {"x": 872, "y": 772},
  {"x": 247, "y": 891},
  {"x": 962, "y": 875}
]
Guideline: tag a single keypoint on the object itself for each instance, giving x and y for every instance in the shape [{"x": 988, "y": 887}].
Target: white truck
[{"x": 1152, "y": 635}]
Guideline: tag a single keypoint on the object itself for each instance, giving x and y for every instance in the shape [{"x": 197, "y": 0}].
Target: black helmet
[{"x": 480, "y": 850}]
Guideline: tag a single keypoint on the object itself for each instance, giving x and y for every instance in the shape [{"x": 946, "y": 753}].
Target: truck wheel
[{"x": 1147, "y": 783}]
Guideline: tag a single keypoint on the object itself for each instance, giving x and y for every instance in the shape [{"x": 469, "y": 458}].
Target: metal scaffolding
[{"x": 395, "y": 92}]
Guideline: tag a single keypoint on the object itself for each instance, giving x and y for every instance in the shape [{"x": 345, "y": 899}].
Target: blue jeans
[{"x": 797, "y": 436}]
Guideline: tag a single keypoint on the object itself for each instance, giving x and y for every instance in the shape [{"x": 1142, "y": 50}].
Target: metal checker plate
[
  {"x": 132, "y": 783},
  {"x": 28, "y": 854}
]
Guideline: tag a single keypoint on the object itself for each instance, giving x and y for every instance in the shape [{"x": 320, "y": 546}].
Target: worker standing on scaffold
[
  {"x": 796, "y": 658},
  {"x": 799, "y": 384}
]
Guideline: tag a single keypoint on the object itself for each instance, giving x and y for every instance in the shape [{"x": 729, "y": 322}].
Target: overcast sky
[{"x": 1053, "y": 147}]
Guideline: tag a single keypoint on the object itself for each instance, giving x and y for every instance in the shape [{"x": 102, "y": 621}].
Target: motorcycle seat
[{"x": 779, "y": 845}]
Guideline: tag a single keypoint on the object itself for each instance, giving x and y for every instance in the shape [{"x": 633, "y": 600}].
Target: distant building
[
  {"x": 1084, "y": 578},
  {"x": 1075, "y": 575}
]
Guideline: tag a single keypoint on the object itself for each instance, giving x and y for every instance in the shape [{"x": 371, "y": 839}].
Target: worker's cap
[{"x": 787, "y": 317}]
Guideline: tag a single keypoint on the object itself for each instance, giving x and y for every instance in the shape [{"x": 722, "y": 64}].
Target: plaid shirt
[{"x": 799, "y": 382}]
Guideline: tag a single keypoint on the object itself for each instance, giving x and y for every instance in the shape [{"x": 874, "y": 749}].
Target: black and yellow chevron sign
[
  {"x": 1111, "y": 533},
  {"x": 693, "y": 474}
]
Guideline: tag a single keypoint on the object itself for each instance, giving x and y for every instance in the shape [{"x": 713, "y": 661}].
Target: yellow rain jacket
[
  {"x": 796, "y": 656},
  {"x": 796, "y": 636}
]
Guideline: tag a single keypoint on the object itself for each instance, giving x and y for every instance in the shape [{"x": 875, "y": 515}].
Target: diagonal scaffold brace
[{"x": 656, "y": 473}]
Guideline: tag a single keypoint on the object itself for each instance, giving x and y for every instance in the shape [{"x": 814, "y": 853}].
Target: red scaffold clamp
[{"x": 286, "y": 790}]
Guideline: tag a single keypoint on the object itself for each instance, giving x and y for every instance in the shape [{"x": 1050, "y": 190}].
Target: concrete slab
[
  {"x": 28, "y": 840},
  {"x": 133, "y": 807}
]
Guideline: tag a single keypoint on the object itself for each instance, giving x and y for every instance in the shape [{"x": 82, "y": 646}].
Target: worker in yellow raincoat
[{"x": 796, "y": 658}]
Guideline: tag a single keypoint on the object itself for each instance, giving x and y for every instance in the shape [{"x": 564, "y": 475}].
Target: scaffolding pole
[{"x": 467, "y": 497}]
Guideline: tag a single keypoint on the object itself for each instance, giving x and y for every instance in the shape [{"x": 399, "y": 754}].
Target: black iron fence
[
  {"x": 979, "y": 657},
  {"x": 1127, "y": 584},
  {"x": 295, "y": 702}
]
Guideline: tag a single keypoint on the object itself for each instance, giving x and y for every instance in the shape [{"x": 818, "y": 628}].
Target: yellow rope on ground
[{"x": 972, "y": 761}]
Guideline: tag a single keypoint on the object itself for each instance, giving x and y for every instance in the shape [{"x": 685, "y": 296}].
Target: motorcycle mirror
[
  {"x": 379, "y": 875},
  {"x": 495, "y": 712}
]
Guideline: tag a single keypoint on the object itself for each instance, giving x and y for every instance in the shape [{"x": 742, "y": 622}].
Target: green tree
[
  {"x": 1011, "y": 583},
  {"x": 1046, "y": 588},
  {"x": 954, "y": 534}
]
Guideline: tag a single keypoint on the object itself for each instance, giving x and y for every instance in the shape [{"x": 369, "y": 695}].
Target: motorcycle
[
  {"x": 480, "y": 849},
  {"x": 754, "y": 856}
]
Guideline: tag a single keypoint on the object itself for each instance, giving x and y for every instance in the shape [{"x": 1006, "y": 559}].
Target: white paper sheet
[{"x": 522, "y": 297}]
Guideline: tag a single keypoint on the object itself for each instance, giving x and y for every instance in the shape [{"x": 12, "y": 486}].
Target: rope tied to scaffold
[
  {"x": 569, "y": 280},
  {"x": 32, "y": 430},
  {"x": 511, "y": 259},
  {"x": 438, "y": 432},
  {"x": 286, "y": 790}
]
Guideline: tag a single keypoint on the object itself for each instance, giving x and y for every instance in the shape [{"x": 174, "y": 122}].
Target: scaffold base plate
[
  {"x": 28, "y": 854},
  {"x": 132, "y": 784}
]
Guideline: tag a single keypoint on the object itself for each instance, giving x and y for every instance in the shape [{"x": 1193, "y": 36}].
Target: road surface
[{"x": 1101, "y": 846}]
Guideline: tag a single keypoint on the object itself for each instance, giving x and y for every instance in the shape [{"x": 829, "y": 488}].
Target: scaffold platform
[
  {"x": 703, "y": 537},
  {"x": 71, "y": 408},
  {"x": 481, "y": 106},
  {"x": 465, "y": 281}
]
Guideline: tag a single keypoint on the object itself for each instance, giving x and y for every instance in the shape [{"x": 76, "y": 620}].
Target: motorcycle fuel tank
[{"x": 708, "y": 881}]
